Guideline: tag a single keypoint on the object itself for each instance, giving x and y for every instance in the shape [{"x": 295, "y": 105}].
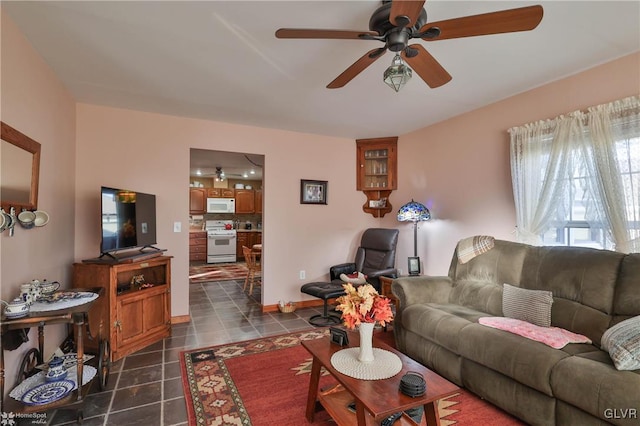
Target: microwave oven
[{"x": 221, "y": 205}]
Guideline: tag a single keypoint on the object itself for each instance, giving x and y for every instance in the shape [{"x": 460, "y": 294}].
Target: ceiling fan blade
[
  {"x": 405, "y": 12},
  {"x": 427, "y": 67},
  {"x": 505, "y": 21},
  {"x": 324, "y": 34},
  {"x": 356, "y": 68}
]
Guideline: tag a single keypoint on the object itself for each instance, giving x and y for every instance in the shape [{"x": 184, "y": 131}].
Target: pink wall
[
  {"x": 150, "y": 153},
  {"x": 460, "y": 167},
  {"x": 35, "y": 102}
]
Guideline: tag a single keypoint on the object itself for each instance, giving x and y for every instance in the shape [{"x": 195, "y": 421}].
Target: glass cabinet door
[{"x": 376, "y": 164}]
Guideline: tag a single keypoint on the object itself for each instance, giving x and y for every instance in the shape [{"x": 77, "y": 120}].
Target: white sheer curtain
[
  {"x": 540, "y": 155},
  {"x": 612, "y": 129},
  {"x": 602, "y": 146}
]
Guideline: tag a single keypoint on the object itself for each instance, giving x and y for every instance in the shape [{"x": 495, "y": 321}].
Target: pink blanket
[{"x": 551, "y": 336}]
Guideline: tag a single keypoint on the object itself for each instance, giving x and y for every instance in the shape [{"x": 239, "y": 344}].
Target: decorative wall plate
[{"x": 48, "y": 392}]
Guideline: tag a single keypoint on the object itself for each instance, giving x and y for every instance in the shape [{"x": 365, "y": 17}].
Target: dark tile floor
[{"x": 145, "y": 388}]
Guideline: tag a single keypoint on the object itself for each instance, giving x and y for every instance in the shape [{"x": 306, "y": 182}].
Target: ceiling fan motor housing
[{"x": 396, "y": 38}]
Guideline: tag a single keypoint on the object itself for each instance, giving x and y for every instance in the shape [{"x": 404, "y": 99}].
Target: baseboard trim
[
  {"x": 181, "y": 319},
  {"x": 300, "y": 304}
]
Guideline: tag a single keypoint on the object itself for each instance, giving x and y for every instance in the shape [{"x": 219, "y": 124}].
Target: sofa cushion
[
  {"x": 477, "y": 294},
  {"x": 501, "y": 264},
  {"x": 579, "y": 318},
  {"x": 583, "y": 282},
  {"x": 526, "y": 361},
  {"x": 627, "y": 298},
  {"x": 439, "y": 323},
  {"x": 533, "y": 306},
  {"x": 590, "y": 382},
  {"x": 622, "y": 341}
]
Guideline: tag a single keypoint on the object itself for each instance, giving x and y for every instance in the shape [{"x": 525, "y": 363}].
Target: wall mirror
[{"x": 19, "y": 169}]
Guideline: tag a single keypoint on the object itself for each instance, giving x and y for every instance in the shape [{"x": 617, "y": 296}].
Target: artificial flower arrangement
[{"x": 363, "y": 304}]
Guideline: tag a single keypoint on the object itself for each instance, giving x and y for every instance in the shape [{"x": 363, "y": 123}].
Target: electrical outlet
[
  {"x": 399, "y": 271},
  {"x": 177, "y": 227},
  {"x": 303, "y": 275}
]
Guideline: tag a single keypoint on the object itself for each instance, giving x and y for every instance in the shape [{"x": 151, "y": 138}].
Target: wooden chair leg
[
  {"x": 253, "y": 277},
  {"x": 246, "y": 280}
]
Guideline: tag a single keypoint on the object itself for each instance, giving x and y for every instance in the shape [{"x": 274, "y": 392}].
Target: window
[{"x": 577, "y": 178}]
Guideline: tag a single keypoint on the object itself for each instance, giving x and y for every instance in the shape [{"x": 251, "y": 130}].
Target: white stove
[{"x": 221, "y": 241}]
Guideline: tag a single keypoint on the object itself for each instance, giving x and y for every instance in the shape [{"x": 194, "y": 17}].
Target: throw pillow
[
  {"x": 622, "y": 341},
  {"x": 533, "y": 306},
  {"x": 355, "y": 278}
]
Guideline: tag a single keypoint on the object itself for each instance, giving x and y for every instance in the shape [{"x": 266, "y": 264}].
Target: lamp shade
[{"x": 414, "y": 212}]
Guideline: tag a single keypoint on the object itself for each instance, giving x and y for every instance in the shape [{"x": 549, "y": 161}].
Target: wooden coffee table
[{"x": 375, "y": 399}]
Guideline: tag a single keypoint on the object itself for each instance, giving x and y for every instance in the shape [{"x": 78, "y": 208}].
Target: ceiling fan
[{"x": 396, "y": 22}]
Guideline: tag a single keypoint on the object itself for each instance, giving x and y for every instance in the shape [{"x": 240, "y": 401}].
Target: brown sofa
[{"x": 437, "y": 325}]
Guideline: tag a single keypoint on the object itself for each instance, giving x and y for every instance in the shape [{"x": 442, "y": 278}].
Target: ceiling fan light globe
[{"x": 397, "y": 75}]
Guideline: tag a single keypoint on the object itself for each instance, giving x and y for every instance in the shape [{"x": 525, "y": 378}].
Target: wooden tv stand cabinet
[{"x": 135, "y": 318}]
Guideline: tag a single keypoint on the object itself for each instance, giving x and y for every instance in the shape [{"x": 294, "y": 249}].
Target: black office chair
[{"x": 375, "y": 257}]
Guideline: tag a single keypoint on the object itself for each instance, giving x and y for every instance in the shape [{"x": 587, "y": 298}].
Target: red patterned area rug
[
  {"x": 264, "y": 382},
  {"x": 217, "y": 272}
]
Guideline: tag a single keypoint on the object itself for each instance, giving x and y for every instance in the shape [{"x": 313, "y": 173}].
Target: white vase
[{"x": 366, "y": 341}]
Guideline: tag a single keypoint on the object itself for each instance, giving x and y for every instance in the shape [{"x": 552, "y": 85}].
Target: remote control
[{"x": 391, "y": 419}]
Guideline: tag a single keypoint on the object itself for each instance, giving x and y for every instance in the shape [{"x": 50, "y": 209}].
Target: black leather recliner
[{"x": 375, "y": 257}]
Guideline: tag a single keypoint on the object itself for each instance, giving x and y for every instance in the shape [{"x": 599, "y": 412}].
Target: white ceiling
[{"x": 220, "y": 60}]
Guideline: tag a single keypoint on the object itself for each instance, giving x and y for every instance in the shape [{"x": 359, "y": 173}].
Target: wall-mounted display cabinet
[{"x": 377, "y": 167}]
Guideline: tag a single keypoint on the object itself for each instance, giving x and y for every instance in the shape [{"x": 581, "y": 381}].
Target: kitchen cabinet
[
  {"x": 245, "y": 201},
  {"x": 242, "y": 239},
  {"x": 377, "y": 166},
  {"x": 220, "y": 193},
  {"x": 197, "y": 200},
  {"x": 258, "y": 201},
  {"x": 135, "y": 318},
  {"x": 247, "y": 238},
  {"x": 198, "y": 246}
]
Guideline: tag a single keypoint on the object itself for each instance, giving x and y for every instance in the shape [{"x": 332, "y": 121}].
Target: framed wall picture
[
  {"x": 313, "y": 191},
  {"x": 414, "y": 266}
]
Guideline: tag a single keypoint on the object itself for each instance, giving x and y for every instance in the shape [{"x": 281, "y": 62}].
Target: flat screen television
[{"x": 128, "y": 220}]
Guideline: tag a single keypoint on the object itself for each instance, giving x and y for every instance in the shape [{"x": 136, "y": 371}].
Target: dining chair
[{"x": 253, "y": 266}]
